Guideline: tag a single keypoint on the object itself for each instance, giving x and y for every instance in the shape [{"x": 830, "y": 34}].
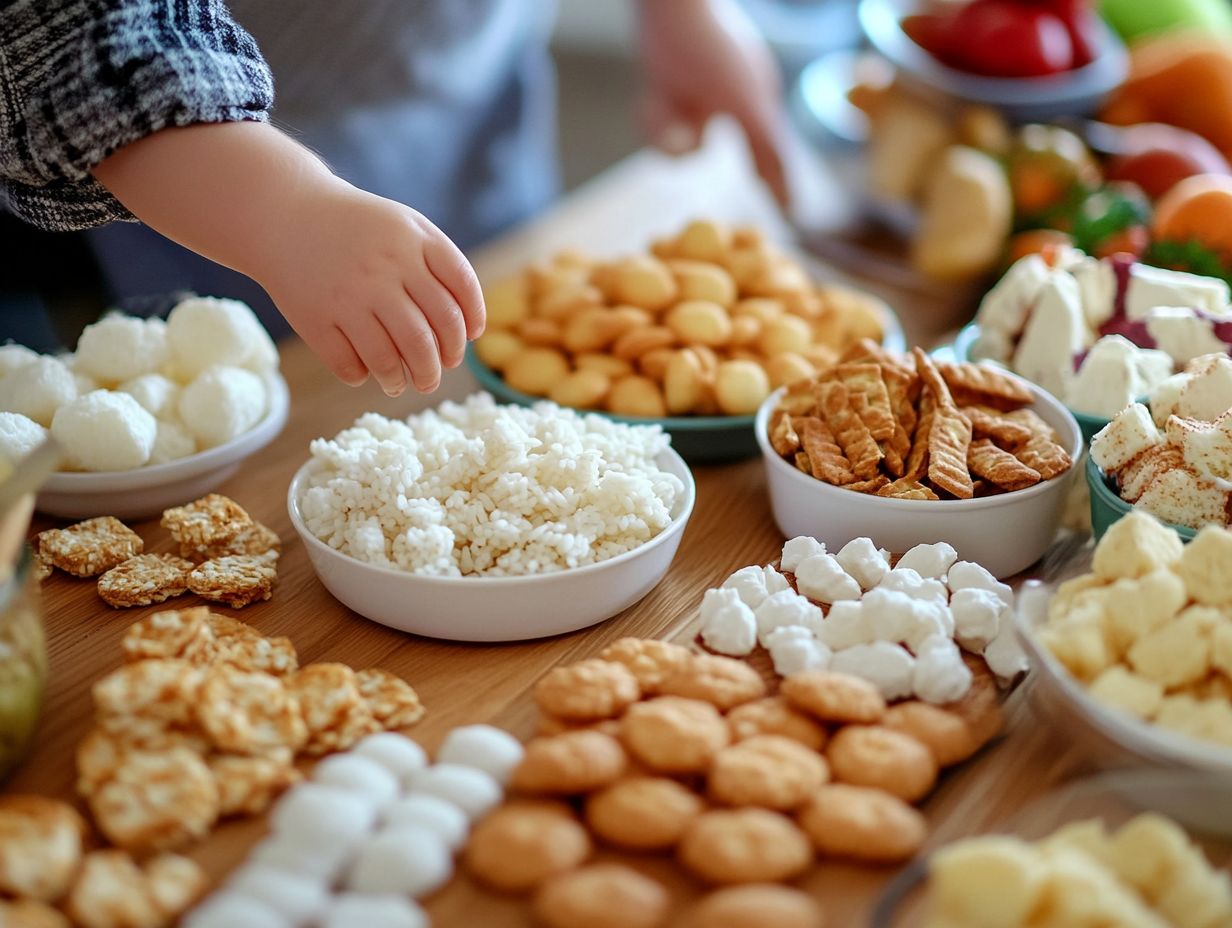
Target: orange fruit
[{"x": 1199, "y": 208}]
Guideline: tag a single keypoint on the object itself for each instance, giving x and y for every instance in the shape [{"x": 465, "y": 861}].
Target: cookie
[
  {"x": 724, "y": 682},
  {"x": 587, "y": 691},
  {"x": 139, "y": 701},
  {"x": 834, "y": 697},
  {"x": 642, "y": 813},
  {"x": 111, "y": 891},
  {"x": 184, "y": 634},
  {"x": 336, "y": 713},
  {"x": 650, "y": 661},
  {"x": 156, "y": 800},
  {"x": 247, "y": 784},
  {"x": 744, "y": 846},
  {"x": 89, "y": 548},
  {"x": 568, "y": 764},
  {"x": 551, "y": 725},
  {"x": 206, "y": 524},
  {"x": 251, "y": 652},
  {"x": 255, "y": 539},
  {"x": 945, "y": 734},
  {"x": 602, "y": 896},
  {"x": 876, "y": 756},
  {"x": 755, "y": 906},
  {"x": 174, "y": 883},
  {"x": 775, "y": 716},
  {"x": 144, "y": 580},
  {"x": 391, "y": 700},
  {"x": 250, "y": 713},
  {"x": 26, "y": 913},
  {"x": 673, "y": 735},
  {"x": 236, "y": 580},
  {"x": 768, "y": 771},
  {"x": 862, "y": 824},
  {"x": 524, "y": 842},
  {"x": 40, "y": 846}
]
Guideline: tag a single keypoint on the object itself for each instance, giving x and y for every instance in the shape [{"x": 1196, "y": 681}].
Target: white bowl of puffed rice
[{"x": 482, "y": 522}]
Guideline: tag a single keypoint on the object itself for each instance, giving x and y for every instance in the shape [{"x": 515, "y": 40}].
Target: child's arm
[{"x": 368, "y": 283}]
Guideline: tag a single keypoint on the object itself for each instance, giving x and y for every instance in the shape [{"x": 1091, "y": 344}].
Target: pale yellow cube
[
  {"x": 1197, "y": 897},
  {"x": 1221, "y": 646},
  {"x": 1147, "y": 851},
  {"x": 1080, "y": 891},
  {"x": 1080, "y": 642},
  {"x": 1136, "y": 545},
  {"x": 990, "y": 881},
  {"x": 507, "y": 302},
  {"x": 1206, "y": 566},
  {"x": 1123, "y": 689},
  {"x": 1069, "y": 593},
  {"x": 1137, "y": 607},
  {"x": 1178, "y": 653}
]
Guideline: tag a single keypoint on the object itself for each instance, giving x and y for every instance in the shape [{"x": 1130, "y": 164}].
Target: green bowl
[{"x": 1107, "y": 507}]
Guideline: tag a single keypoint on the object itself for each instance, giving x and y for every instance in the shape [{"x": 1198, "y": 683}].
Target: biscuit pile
[
  {"x": 1146, "y": 874},
  {"x": 911, "y": 428},
  {"x": 1149, "y": 632},
  {"x": 226, "y": 556},
  {"x": 48, "y": 880},
  {"x": 205, "y": 720},
  {"x": 708, "y": 324}
]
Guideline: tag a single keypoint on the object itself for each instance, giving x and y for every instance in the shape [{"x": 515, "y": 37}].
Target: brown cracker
[
  {"x": 335, "y": 712},
  {"x": 156, "y": 800},
  {"x": 1044, "y": 456},
  {"x": 979, "y": 384},
  {"x": 90, "y": 547},
  {"x": 849, "y": 430},
  {"x": 144, "y": 580},
  {"x": 205, "y": 524},
  {"x": 868, "y": 396},
  {"x": 999, "y": 467},
  {"x": 1005, "y": 432},
  {"x": 237, "y": 579},
  {"x": 391, "y": 700},
  {"x": 826, "y": 459},
  {"x": 249, "y": 713},
  {"x": 174, "y": 633}
]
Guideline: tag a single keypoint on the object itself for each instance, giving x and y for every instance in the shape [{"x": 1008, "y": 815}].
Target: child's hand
[{"x": 373, "y": 288}]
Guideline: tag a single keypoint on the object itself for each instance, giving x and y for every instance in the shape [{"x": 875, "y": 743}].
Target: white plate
[
  {"x": 144, "y": 492},
  {"x": 497, "y": 608}
]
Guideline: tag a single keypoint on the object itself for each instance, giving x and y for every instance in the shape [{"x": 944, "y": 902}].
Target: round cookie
[
  {"x": 601, "y": 896},
  {"x": 769, "y": 771},
  {"x": 569, "y": 763},
  {"x": 551, "y": 725},
  {"x": 862, "y": 824},
  {"x": 673, "y": 735},
  {"x": 523, "y": 843},
  {"x": 587, "y": 691},
  {"x": 834, "y": 697},
  {"x": 642, "y": 813},
  {"x": 775, "y": 716},
  {"x": 755, "y": 906},
  {"x": 946, "y": 735},
  {"x": 876, "y": 756},
  {"x": 744, "y": 846},
  {"x": 649, "y": 660},
  {"x": 724, "y": 682}
]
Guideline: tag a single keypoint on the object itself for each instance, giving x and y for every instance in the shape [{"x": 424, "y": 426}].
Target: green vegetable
[
  {"x": 1134, "y": 18},
  {"x": 1191, "y": 256},
  {"x": 1106, "y": 212}
]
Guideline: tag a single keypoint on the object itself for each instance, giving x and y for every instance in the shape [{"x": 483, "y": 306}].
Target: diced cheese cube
[
  {"x": 1165, "y": 397},
  {"x": 993, "y": 881},
  {"x": 1108, "y": 379},
  {"x": 1205, "y": 566},
  {"x": 1179, "y": 652},
  {"x": 1134, "y": 608},
  {"x": 1005, "y": 307},
  {"x": 1097, "y": 285}
]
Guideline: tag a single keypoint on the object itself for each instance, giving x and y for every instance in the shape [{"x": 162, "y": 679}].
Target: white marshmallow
[
  {"x": 929, "y": 618},
  {"x": 472, "y": 791},
  {"x": 1055, "y": 332},
  {"x": 484, "y": 747},
  {"x": 1004, "y": 655},
  {"x": 786, "y": 608},
  {"x": 797, "y": 549},
  {"x": 1108, "y": 379},
  {"x": 749, "y": 583},
  {"x": 864, "y": 561},
  {"x": 1004, "y": 308},
  {"x": 795, "y": 649},
  {"x": 317, "y": 815},
  {"x": 119, "y": 348},
  {"x": 969, "y": 575},
  {"x": 977, "y": 617},
  {"x": 433, "y": 813},
  {"x": 929, "y": 561},
  {"x": 221, "y": 404},
  {"x": 319, "y": 859},
  {"x": 171, "y": 443},
  {"x": 775, "y": 581},
  {"x": 940, "y": 674},
  {"x": 105, "y": 431},
  {"x": 1165, "y": 397},
  {"x": 890, "y": 614},
  {"x": 885, "y": 665},
  {"x": 228, "y": 909},
  {"x": 157, "y": 394},
  {"x": 358, "y": 774},
  {"x": 728, "y": 624},
  {"x": 406, "y": 860},
  {"x": 846, "y": 625},
  {"x": 1131, "y": 431},
  {"x": 38, "y": 389},
  {"x": 19, "y": 435},
  {"x": 298, "y": 897},
  {"x": 906, "y": 580},
  {"x": 203, "y": 332},
  {"x": 396, "y": 753},
  {"x": 13, "y": 357},
  {"x": 1208, "y": 394},
  {"x": 1097, "y": 285},
  {"x": 822, "y": 578},
  {"x": 357, "y": 910}
]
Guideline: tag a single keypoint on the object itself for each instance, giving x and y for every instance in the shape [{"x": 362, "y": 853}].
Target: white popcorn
[
  {"x": 298, "y": 897},
  {"x": 940, "y": 674},
  {"x": 358, "y": 774},
  {"x": 19, "y": 435},
  {"x": 484, "y": 747},
  {"x": 1150, "y": 287},
  {"x": 405, "y": 860},
  {"x": 119, "y": 348},
  {"x": 316, "y": 815},
  {"x": 221, "y": 404},
  {"x": 775, "y": 581},
  {"x": 105, "y": 431},
  {"x": 349, "y": 910},
  {"x": 969, "y": 575},
  {"x": 929, "y": 561},
  {"x": 472, "y": 791},
  {"x": 158, "y": 394},
  {"x": 1208, "y": 394},
  {"x": 863, "y": 561},
  {"x": 433, "y": 813},
  {"x": 728, "y": 624},
  {"x": 749, "y": 583},
  {"x": 171, "y": 442},
  {"x": 38, "y": 389},
  {"x": 795, "y": 649},
  {"x": 906, "y": 580},
  {"x": 203, "y": 332},
  {"x": 396, "y": 753},
  {"x": 1130, "y": 432},
  {"x": 822, "y": 578},
  {"x": 977, "y": 617},
  {"x": 1181, "y": 334},
  {"x": 797, "y": 549},
  {"x": 846, "y": 624},
  {"x": 13, "y": 357},
  {"x": 1004, "y": 655},
  {"x": 784, "y": 608},
  {"x": 885, "y": 665},
  {"x": 231, "y": 909}
]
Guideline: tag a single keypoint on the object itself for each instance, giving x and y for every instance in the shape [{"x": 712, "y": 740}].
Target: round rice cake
[
  {"x": 236, "y": 579},
  {"x": 89, "y": 548},
  {"x": 392, "y": 701},
  {"x": 206, "y": 524},
  {"x": 175, "y": 633},
  {"x": 111, "y": 890},
  {"x": 144, "y": 580},
  {"x": 40, "y": 846},
  {"x": 248, "y": 783},
  {"x": 157, "y": 800},
  {"x": 251, "y": 652},
  {"x": 248, "y": 712},
  {"x": 145, "y": 697},
  {"x": 333, "y": 708}
]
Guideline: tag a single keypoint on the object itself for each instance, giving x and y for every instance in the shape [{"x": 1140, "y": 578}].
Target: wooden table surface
[{"x": 731, "y": 527}]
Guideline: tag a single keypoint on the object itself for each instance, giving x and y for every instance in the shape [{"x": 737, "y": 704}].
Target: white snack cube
[
  {"x": 1164, "y": 398},
  {"x": 940, "y": 674},
  {"x": 795, "y": 649},
  {"x": 905, "y": 580},
  {"x": 397, "y": 753},
  {"x": 1183, "y": 498},
  {"x": 471, "y": 790},
  {"x": 484, "y": 747},
  {"x": 1182, "y": 334},
  {"x": 1004, "y": 308},
  {"x": 1055, "y": 332},
  {"x": 1108, "y": 379},
  {"x": 105, "y": 431},
  {"x": 786, "y": 608},
  {"x": 159, "y": 395},
  {"x": 13, "y": 357},
  {"x": 203, "y": 332},
  {"x": 885, "y": 665},
  {"x": 969, "y": 575},
  {"x": 359, "y": 910},
  {"x": 1097, "y": 287},
  {"x": 358, "y": 774},
  {"x": 845, "y": 625},
  {"x": 38, "y": 389},
  {"x": 221, "y": 404},
  {"x": 1150, "y": 286},
  {"x": 863, "y": 561},
  {"x": 728, "y": 624},
  {"x": 978, "y": 615},
  {"x": 297, "y": 897},
  {"x": 823, "y": 579},
  {"x": 1004, "y": 655},
  {"x": 797, "y": 549},
  {"x": 929, "y": 561},
  {"x": 1131, "y": 431},
  {"x": 119, "y": 348},
  {"x": 232, "y": 909},
  {"x": 433, "y": 813},
  {"x": 749, "y": 583},
  {"x": 405, "y": 860},
  {"x": 171, "y": 443},
  {"x": 1208, "y": 394},
  {"x": 19, "y": 435},
  {"x": 323, "y": 817}
]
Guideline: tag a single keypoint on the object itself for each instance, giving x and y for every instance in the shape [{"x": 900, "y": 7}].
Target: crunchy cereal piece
[
  {"x": 862, "y": 824},
  {"x": 586, "y": 691},
  {"x": 1044, "y": 456},
  {"x": 112, "y": 892},
  {"x": 755, "y": 906},
  {"x": 783, "y": 436},
  {"x": 642, "y": 813},
  {"x": 333, "y": 708},
  {"x": 723, "y": 682},
  {"x": 89, "y": 548},
  {"x": 744, "y": 846},
  {"x": 869, "y": 397},
  {"x": 249, "y": 712},
  {"x": 799, "y": 399},
  {"x": 990, "y": 423},
  {"x": 254, "y": 539},
  {"x": 274, "y": 656},
  {"x": 237, "y": 579},
  {"x": 649, "y": 660},
  {"x": 144, "y": 579},
  {"x": 391, "y": 700},
  {"x": 983, "y": 385},
  {"x": 210, "y": 522},
  {"x": 999, "y": 467},
  {"x": 145, "y": 698},
  {"x": 880, "y": 757},
  {"x": 248, "y": 783},
  {"x": 523, "y": 843},
  {"x": 26, "y": 913},
  {"x": 1032, "y": 420},
  {"x": 176, "y": 633},
  {"x": 775, "y": 716},
  {"x": 602, "y": 896},
  {"x": 850, "y": 432},
  {"x": 916, "y": 465},
  {"x": 834, "y": 697},
  {"x": 42, "y": 569},
  {"x": 673, "y": 735},
  {"x": 826, "y": 459},
  {"x": 871, "y": 487},
  {"x": 40, "y": 846},
  {"x": 906, "y": 488},
  {"x": 946, "y": 734},
  {"x": 948, "y": 441},
  {"x": 768, "y": 771},
  {"x": 174, "y": 883},
  {"x": 570, "y": 763},
  {"x": 156, "y": 800}
]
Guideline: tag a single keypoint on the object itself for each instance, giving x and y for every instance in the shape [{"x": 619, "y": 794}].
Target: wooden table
[{"x": 731, "y": 527}]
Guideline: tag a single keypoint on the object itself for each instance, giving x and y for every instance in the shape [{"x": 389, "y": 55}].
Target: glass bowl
[{"x": 23, "y": 661}]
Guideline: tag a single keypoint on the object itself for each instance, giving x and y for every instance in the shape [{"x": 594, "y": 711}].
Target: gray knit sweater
[{"x": 80, "y": 79}]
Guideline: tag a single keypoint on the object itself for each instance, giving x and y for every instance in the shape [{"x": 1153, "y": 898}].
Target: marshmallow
[
  {"x": 203, "y": 332},
  {"x": 1004, "y": 655},
  {"x": 940, "y": 674},
  {"x": 795, "y": 649},
  {"x": 728, "y": 624},
  {"x": 171, "y": 442},
  {"x": 775, "y": 581},
  {"x": 885, "y": 665},
  {"x": 787, "y": 608},
  {"x": 119, "y": 348},
  {"x": 228, "y": 909},
  {"x": 443, "y": 818},
  {"x": 1108, "y": 380},
  {"x": 14, "y": 357},
  {"x": 472, "y": 791},
  {"x": 797, "y": 549},
  {"x": 822, "y": 578},
  {"x": 1206, "y": 449},
  {"x": 221, "y": 404},
  {"x": 977, "y": 617},
  {"x": 906, "y": 580},
  {"x": 157, "y": 394},
  {"x": 405, "y": 860},
  {"x": 1183, "y": 498},
  {"x": 861, "y": 559},
  {"x": 1130, "y": 432},
  {"x": 483, "y": 747},
  {"x": 320, "y": 860},
  {"x": 297, "y": 897},
  {"x": 349, "y": 910},
  {"x": 319, "y": 815},
  {"x": 1165, "y": 397},
  {"x": 38, "y": 389},
  {"x": 749, "y": 583},
  {"x": 19, "y": 435},
  {"x": 846, "y": 625},
  {"x": 929, "y": 561},
  {"x": 396, "y": 753},
  {"x": 105, "y": 431},
  {"x": 890, "y": 614},
  {"x": 358, "y": 774},
  {"x": 969, "y": 575}
]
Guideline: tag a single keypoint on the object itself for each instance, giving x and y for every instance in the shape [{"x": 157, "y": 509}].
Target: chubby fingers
[
  {"x": 455, "y": 274},
  {"x": 446, "y": 318},
  {"x": 376, "y": 348},
  {"x": 414, "y": 341},
  {"x": 332, "y": 346}
]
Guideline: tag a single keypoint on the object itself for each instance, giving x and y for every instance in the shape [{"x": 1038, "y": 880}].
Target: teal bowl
[{"x": 1107, "y": 507}]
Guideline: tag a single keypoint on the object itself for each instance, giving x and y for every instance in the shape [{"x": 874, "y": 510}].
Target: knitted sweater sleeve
[{"x": 80, "y": 79}]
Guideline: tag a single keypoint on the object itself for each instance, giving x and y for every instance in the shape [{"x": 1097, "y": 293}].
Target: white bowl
[
  {"x": 144, "y": 492},
  {"x": 497, "y": 608},
  {"x": 1005, "y": 533}
]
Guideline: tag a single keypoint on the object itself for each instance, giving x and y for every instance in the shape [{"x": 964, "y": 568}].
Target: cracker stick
[
  {"x": 849, "y": 430},
  {"x": 904, "y": 488},
  {"x": 917, "y": 461},
  {"x": 1047, "y": 457},
  {"x": 989, "y": 423},
  {"x": 826, "y": 459},
  {"x": 950, "y": 435},
  {"x": 980, "y": 384},
  {"x": 869, "y": 398},
  {"x": 1000, "y": 467},
  {"x": 783, "y": 437}
]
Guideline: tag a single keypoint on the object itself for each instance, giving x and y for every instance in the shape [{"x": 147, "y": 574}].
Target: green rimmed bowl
[{"x": 1107, "y": 507}]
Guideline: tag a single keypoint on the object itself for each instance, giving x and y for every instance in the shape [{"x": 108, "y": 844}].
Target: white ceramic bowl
[
  {"x": 1006, "y": 533},
  {"x": 497, "y": 608},
  {"x": 144, "y": 492}
]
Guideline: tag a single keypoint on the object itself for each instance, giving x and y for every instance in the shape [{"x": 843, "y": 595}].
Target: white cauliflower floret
[
  {"x": 728, "y": 626},
  {"x": 906, "y": 580},
  {"x": 797, "y": 549},
  {"x": 940, "y": 674},
  {"x": 969, "y": 575},
  {"x": 775, "y": 581},
  {"x": 786, "y": 607},
  {"x": 204, "y": 332},
  {"x": 795, "y": 649},
  {"x": 119, "y": 348},
  {"x": 38, "y": 389},
  {"x": 19, "y": 435},
  {"x": 1004, "y": 655},
  {"x": 158, "y": 394},
  {"x": 822, "y": 578},
  {"x": 749, "y": 583},
  {"x": 929, "y": 561},
  {"x": 977, "y": 617},
  {"x": 863, "y": 561},
  {"x": 105, "y": 431},
  {"x": 171, "y": 443},
  {"x": 887, "y": 666},
  {"x": 13, "y": 357},
  {"x": 221, "y": 404},
  {"x": 846, "y": 624}
]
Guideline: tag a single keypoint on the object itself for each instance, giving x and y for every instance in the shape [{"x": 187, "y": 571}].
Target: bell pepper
[{"x": 999, "y": 38}]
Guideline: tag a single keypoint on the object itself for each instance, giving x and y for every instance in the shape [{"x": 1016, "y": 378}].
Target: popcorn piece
[
  {"x": 794, "y": 649},
  {"x": 221, "y": 404},
  {"x": 1207, "y": 394},
  {"x": 978, "y": 615},
  {"x": 19, "y": 435},
  {"x": 402, "y": 861},
  {"x": 905, "y": 580},
  {"x": 158, "y": 395},
  {"x": 967, "y": 575},
  {"x": 929, "y": 561},
  {"x": 1206, "y": 566},
  {"x": 1123, "y": 689},
  {"x": 846, "y": 625},
  {"x": 861, "y": 559},
  {"x": 823, "y": 579},
  {"x": 940, "y": 675},
  {"x": 1134, "y": 546},
  {"x": 1182, "y": 498},
  {"x": 203, "y": 332},
  {"x": 483, "y": 747},
  {"x": 38, "y": 389},
  {"x": 119, "y": 348},
  {"x": 750, "y": 584},
  {"x": 728, "y": 624},
  {"x": 1130, "y": 432},
  {"x": 786, "y": 608},
  {"x": 797, "y": 549},
  {"x": 1179, "y": 652},
  {"x": 885, "y": 665},
  {"x": 105, "y": 431},
  {"x": 1004, "y": 655}
]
